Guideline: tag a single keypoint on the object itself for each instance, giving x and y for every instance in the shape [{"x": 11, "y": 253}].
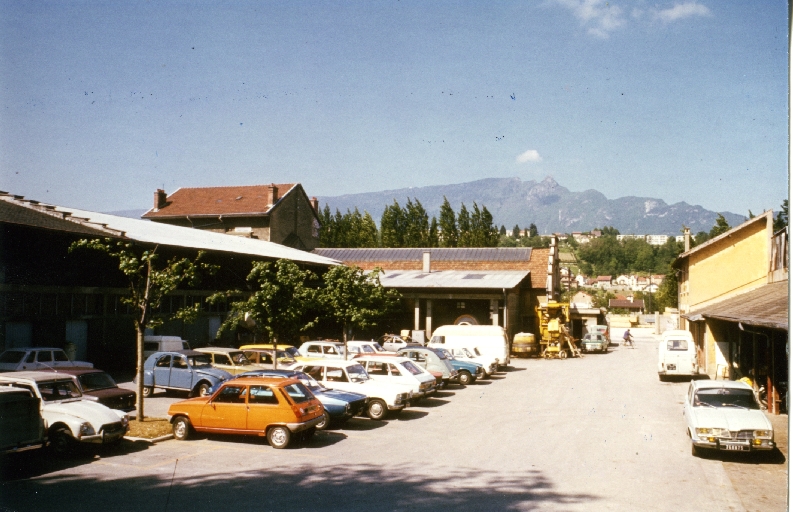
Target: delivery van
[
  {"x": 491, "y": 340},
  {"x": 677, "y": 354}
]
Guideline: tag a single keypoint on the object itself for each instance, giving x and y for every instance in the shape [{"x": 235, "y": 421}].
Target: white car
[
  {"x": 472, "y": 355},
  {"x": 69, "y": 418},
  {"x": 324, "y": 349},
  {"x": 39, "y": 358},
  {"x": 351, "y": 376},
  {"x": 725, "y": 415},
  {"x": 355, "y": 348},
  {"x": 400, "y": 370}
]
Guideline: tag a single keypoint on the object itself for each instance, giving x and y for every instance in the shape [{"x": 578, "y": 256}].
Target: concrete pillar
[
  {"x": 657, "y": 322},
  {"x": 428, "y": 319},
  {"x": 494, "y": 311},
  {"x": 416, "y": 314}
]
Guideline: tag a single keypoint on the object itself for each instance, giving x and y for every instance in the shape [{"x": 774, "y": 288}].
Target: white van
[
  {"x": 491, "y": 340},
  {"x": 677, "y": 354},
  {"x": 152, "y": 344}
]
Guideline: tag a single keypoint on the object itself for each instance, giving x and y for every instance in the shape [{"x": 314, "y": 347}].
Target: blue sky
[{"x": 102, "y": 103}]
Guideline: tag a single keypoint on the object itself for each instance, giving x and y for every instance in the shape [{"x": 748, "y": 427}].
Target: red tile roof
[{"x": 245, "y": 200}]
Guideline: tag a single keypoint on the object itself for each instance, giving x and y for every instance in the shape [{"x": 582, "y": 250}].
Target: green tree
[
  {"x": 367, "y": 236},
  {"x": 700, "y": 238},
  {"x": 502, "y": 231},
  {"x": 516, "y": 232},
  {"x": 464, "y": 227},
  {"x": 781, "y": 220},
  {"x": 327, "y": 229},
  {"x": 432, "y": 237},
  {"x": 489, "y": 231},
  {"x": 148, "y": 282},
  {"x": 610, "y": 231},
  {"x": 533, "y": 230},
  {"x": 416, "y": 225},
  {"x": 448, "y": 225},
  {"x": 392, "y": 226},
  {"x": 279, "y": 304},
  {"x": 720, "y": 227},
  {"x": 666, "y": 297},
  {"x": 354, "y": 298}
]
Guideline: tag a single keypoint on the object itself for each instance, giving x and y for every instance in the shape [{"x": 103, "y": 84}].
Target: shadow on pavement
[
  {"x": 298, "y": 486},
  {"x": 430, "y": 403}
]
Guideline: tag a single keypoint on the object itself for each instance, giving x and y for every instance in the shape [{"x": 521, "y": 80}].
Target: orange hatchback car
[{"x": 264, "y": 406}]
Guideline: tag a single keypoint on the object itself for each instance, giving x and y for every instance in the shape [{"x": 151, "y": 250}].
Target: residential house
[
  {"x": 633, "y": 306},
  {"x": 280, "y": 213},
  {"x": 733, "y": 297},
  {"x": 603, "y": 282}
]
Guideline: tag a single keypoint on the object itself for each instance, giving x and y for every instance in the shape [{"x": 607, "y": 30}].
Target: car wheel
[
  {"x": 148, "y": 391},
  {"x": 695, "y": 450},
  {"x": 202, "y": 389},
  {"x": 562, "y": 354},
  {"x": 181, "y": 428},
  {"x": 62, "y": 441},
  {"x": 279, "y": 437},
  {"x": 376, "y": 409},
  {"x": 465, "y": 378},
  {"x": 325, "y": 423}
]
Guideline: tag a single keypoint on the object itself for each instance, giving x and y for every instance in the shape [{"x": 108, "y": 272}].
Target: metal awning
[
  {"x": 766, "y": 306},
  {"x": 471, "y": 279}
]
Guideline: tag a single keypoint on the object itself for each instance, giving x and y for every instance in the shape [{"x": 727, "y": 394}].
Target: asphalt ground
[{"x": 594, "y": 433}]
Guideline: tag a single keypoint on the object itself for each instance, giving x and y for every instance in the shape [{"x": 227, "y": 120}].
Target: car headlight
[
  {"x": 347, "y": 407},
  {"x": 86, "y": 429},
  {"x": 125, "y": 420},
  {"x": 713, "y": 432},
  {"x": 763, "y": 434}
]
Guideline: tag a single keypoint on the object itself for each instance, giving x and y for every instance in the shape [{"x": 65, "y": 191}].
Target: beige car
[{"x": 232, "y": 360}]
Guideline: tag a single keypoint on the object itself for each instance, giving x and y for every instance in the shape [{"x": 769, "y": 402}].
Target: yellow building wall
[{"x": 735, "y": 264}]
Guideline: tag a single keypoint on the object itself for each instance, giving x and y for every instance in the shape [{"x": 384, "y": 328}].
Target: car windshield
[
  {"x": 202, "y": 361},
  {"x": 412, "y": 368},
  {"x": 58, "y": 390},
  {"x": 94, "y": 381},
  {"x": 292, "y": 351},
  {"x": 445, "y": 353},
  {"x": 377, "y": 348},
  {"x": 12, "y": 356},
  {"x": 282, "y": 354},
  {"x": 357, "y": 373},
  {"x": 466, "y": 352},
  {"x": 309, "y": 382},
  {"x": 366, "y": 349},
  {"x": 725, "y": 397}
]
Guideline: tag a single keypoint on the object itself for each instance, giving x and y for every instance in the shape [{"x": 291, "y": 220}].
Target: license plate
[{"x": 735, "y": 447}]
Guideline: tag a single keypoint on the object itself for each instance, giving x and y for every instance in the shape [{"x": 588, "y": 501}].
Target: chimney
[
  {"x": 686, "y": 239},
  {"x": 272, "y": 194},
  {"x": 159, "y": 199},
  {"x": 426, "y": 263},
  {"x": 315, "y": 204}
]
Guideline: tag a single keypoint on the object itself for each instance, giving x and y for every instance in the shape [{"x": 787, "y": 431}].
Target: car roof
[
  {"x": 34, "y": 376},
  {"x": 674, "y": 333},
  {"x": 382, "y": 358},
  {"x": 719, "y": 384},
  {"x": 324, "y": 342},
  {"x": 224, "y": 350},
  {"x": 74, "y": 370},
  {"x": 321, "y": 361},
  {"x": 188, "y": 353},
  {"x": 263, "y": 372},
  {"x": 270, "y": 381}
]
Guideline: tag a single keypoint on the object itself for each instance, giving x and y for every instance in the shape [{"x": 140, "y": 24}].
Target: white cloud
[
  {"x": 682, "y": 11},
  {"x": 600, "y": 17},
  {"x": 531, "y": 155}
]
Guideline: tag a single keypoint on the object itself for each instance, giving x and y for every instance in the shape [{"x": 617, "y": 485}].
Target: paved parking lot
[{"x": 595, "y": 433}]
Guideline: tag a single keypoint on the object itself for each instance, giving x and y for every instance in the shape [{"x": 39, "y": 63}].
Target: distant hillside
[{"x": 547, "y": 204}]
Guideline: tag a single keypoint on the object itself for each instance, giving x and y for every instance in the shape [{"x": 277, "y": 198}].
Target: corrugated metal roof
[
  {"x": 453, "y": 279},
  {"x": 436, "y": 254},
  {"x": 766, "y": 306},
  {"x": 14, "y": 210},
  {"x": 165, "y": 234},
  {"x": 175, "y": 236}
]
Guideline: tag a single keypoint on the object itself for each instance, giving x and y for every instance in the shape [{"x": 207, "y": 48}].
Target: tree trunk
[
  {"x": 344, "y": 337},
  {"x": 275, "y": 353},
  {"x": 139, "y": 399}
]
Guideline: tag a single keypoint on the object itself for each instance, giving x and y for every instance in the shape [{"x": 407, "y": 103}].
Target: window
[
  {"x": 231, "y": 395},
  {"x": 31, "y": 357},
  {"x": 180, "y": 362},
  {"x": 163, "y": 362},
  {"x": 313, "y": 349},
  {"x": 298, "y": 393},
  {"x": 151, "y": 346},
  {"x": 677, "y": 345},
  {"x": 314, "y": 371},
  {"x": 222, "y": 359},
  {"x": 394, "y": 370},
  {"x": 60, "y": 355},
  {"x": 330, "y": 350},
  {"x": 11, "y": 356},
  {"x": 44, "y": 356},
  {"x": 262, "y": 395},
  {"x": 335, "y": 374},
  {"x": 412, "y": 368},
  {"x": 374, "y": 368}
]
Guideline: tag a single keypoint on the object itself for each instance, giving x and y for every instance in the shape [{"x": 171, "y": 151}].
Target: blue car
[
  {"x": 339, "y": 405},
  {"x": 467, "y": 372},
  {"x": 182, "y": 370}
]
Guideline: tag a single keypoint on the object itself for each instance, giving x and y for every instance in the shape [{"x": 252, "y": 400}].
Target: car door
[
  {"x": 162, "y": 371},
  {"x": 181, "y": 373},
  {"x": 227, "y": 409},
  {"x": 264, "y": 408}
]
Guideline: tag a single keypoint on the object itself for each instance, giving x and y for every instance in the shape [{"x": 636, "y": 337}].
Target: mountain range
[{"x": 550, "y": 206}]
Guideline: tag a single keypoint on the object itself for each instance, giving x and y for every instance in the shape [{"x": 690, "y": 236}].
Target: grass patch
[{"x": 149, "y": 429}]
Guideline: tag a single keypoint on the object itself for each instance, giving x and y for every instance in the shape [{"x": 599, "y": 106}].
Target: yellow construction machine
[{"x": 555, "y": 338}]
